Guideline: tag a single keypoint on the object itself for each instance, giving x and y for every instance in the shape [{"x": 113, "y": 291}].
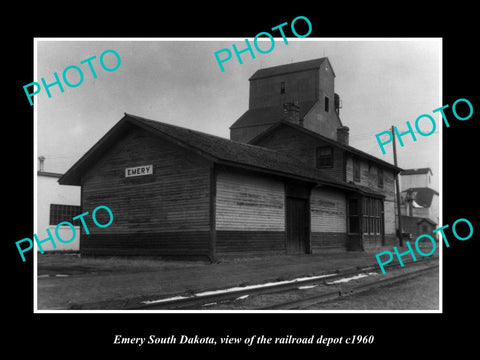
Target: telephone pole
[{"x": 397, "y": 187}]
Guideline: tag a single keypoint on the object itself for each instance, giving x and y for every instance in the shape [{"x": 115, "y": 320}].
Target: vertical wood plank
[{"x": 212, "y": 215}]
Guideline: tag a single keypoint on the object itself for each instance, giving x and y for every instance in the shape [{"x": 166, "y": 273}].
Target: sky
[{"x": 381, "y": 82}]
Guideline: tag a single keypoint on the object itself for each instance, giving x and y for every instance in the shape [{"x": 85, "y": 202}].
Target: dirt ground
[
  {"x": 420, "y": 293},
  {"x": 68, "y": 281},
  {"x": 53, "y": 264}
]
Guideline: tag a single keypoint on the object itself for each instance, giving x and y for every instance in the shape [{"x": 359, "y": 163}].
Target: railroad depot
[{"x": 287, "y": 182}]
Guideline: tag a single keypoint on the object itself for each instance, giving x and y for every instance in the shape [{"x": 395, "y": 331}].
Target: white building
[
  {"x": 416, "y": 178},
  {"x": 56, "y": 203},
  {"x": 418, "y": 199}
]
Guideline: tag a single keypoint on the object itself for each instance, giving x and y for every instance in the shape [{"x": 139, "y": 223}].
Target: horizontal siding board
[
  {"x": 389, "y": 216},
  {"x": 249, "y": 201},
  {"x": 390, "y": 240},
  {"x": 373, "y": 242},
  {"x": 328, "y": 211},
  {"x": 328, "y": 241},
  {"x": 168, "y": 243},
  {"x": 174, "y": 198},
  {"x": 289, "y": 141},
  {"x": 369, "y": 178},
  {"x": 249, "y": 242},
  {"x": 303, "y": 147},
  {"x": 354, "y": 242}
]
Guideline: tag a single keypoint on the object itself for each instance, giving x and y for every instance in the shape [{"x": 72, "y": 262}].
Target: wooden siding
[
  {"x": 372, "y": 242},
  {"x": 249, "y": 202},
  {"x": 328, "y": 241},
  {"x": 250, "y": 242},
  {"x": 174, "y": 200},
  {"x": 320, "y": 121},
  {"x": 245, "y": 134},
  {"x": 287, "y": 140},
  {"x": 415, "y": 180},
  {"x": 328, "y": 211},
  {"x": 389, "y": 216},
  {"x": 354, "y": 242},
  {"x": 299, "y": 86},
  {"x": 368, "y": 177},
  {"x": 328, "y": 220},
  {"x": 178, "y": 243},
  {"x": 303, "y": 146},
  {"x": 416, "y": 226},
  {"x": 250, "y": 214},
  {"x": 391, "y": 240}
]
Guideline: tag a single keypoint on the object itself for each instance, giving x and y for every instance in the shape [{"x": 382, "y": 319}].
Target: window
[
  {"x": 282, "y": 87},
  {"x": 59, "y": 213},
  {"x": 324, "y": 157},
  {"x": 356, "y": 170},
  {"x": 327, "y": 105},
  {"x": 380, "y": 177},
  {"x": 372, "y": 216},
  {"x": 353, "y": 216}
]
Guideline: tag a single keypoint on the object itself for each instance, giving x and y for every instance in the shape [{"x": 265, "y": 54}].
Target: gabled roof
[
  {"x": 213, "y": 148},
  {"x": 416, "y": 171},
  {"x": 268, "y": 115},
  {"x": 289, "y": 68},
  {"x": 332, "y": 142}
]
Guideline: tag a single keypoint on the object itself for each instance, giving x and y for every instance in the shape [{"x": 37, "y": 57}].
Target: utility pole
[{"x": 397, "y": 187}]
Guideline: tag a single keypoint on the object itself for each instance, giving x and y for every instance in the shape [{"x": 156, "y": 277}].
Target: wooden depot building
[{"x": 288, "y": 182}]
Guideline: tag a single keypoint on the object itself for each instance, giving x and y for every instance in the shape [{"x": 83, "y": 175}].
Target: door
[{"x": 297, "y": 225}]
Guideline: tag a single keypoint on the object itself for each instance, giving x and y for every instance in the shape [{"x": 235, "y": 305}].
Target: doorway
[{"x": 297, "y": 225}]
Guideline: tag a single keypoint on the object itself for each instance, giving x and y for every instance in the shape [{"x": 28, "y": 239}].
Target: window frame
[
  {"x": 355, "y": 216},
  {"x": 372, "y": 216},
  {"x": 328, "y": 159},
  {"x": 356, "y": 166},
  {"x": 62, "y": 212},
  {"x": 380, "y": 177}
]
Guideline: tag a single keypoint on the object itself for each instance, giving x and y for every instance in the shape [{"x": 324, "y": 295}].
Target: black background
[{"x": 65, "y": 335}]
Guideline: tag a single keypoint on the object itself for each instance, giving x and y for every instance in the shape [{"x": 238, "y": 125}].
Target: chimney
[
  {"x": 342, "y": 134},
  {"x": 291, "y": 112},
  {"x": 40, "y": 165}
]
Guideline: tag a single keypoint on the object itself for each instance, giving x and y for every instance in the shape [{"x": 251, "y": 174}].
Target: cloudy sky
[{"x": 381, "y": 82}]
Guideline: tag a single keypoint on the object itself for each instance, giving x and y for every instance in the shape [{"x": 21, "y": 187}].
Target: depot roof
[
  {"x": 313, "y": 134},
  {"x": 214, "y": 148}
]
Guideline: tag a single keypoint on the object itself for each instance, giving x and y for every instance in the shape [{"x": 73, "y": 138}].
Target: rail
[{"x": 199, "y": 300}]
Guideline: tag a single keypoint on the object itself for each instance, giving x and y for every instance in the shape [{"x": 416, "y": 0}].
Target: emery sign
[{"x": 139, "y": 170}]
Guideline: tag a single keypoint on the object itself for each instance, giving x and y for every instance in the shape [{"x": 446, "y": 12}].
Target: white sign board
[{"x": 139, "y": 170}]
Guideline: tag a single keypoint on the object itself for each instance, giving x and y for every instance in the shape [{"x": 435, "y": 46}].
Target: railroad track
[
  {"x": 204, "y": 300},
  {"x": 306, "y": 301}
]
